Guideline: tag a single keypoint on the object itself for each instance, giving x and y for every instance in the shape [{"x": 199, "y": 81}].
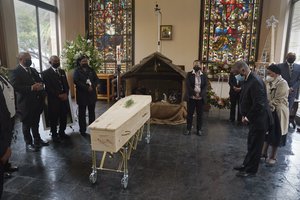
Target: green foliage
[
  {"x": 79, "y": 47},
  {"x": 128, "y": 103}
]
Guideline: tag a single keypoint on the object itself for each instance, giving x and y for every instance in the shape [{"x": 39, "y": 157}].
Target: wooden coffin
[{"x": 119, "y": 123}]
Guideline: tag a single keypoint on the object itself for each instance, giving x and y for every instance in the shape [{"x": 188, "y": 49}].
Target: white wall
[{"x": 184, "y": 16}]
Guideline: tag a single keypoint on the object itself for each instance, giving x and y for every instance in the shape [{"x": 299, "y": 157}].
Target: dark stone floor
[{"x": 172, "y": 167}]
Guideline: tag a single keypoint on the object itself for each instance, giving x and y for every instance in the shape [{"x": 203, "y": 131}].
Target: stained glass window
[
  {"x": 110, "y": 25},
  {"x": 230, "y": 33}
]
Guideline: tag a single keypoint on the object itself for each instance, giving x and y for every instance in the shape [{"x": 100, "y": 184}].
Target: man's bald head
[
  {"x": 291, "y": 57},
  {"x": 24, "y": 59},
  {"x": 54, "y": 61}
]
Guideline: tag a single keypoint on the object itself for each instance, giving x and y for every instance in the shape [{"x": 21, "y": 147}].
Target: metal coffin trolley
[{"x": 118, "y": 130}]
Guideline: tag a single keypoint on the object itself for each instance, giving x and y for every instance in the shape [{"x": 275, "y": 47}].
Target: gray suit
[{"x": 293, "y": 80}]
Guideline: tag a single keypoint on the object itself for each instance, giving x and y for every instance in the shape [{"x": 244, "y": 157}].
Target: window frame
[{"x": 48, "y": 7}]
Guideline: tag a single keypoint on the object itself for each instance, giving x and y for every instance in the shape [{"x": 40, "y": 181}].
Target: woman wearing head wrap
[{"x": 278, "y": 91}]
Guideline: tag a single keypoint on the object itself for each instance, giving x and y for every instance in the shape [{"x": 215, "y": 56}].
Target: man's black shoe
[
  {"x": 187, "y": 132},
  {"x": 7, "y": 175},
  {"x": 11, "y": 168},
  {"x": 239, "y": 168},
  {"x": 199, "y": 132},
  {"x": 245, "y": 174},
  {"x": 41, "y": 143},
  {"x": 31, "y": 148}
]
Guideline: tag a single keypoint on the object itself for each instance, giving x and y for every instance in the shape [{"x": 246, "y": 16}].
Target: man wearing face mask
[
  {"x": 196, "y": 86},
  {"x": 57, "y": 88},
  {"x": 30, "y": 92},
  {"x": 86, "y": 81},
  {"x": 235, "y": 83},
  {"x": 255, "y": 113},
  {"x": 290, "y": 71}
]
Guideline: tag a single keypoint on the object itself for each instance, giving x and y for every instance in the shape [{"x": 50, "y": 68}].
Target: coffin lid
[
  {"x": 118, "y": 114},
  {"x": 159, "y": 57}
]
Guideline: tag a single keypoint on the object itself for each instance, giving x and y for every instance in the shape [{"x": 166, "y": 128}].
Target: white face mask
[{"x": 269, "y": 78}]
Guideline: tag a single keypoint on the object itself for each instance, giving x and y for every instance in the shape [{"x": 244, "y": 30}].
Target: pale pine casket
[{"x": 119, "y": 123}]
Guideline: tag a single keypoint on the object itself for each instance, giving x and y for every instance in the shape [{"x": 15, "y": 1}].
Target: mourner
[
  {"x": 86, "y": 81},
  {"x": 255, "y": 113},
  {"x": 57, "y": 88},
  {"x": 30, "y": 92},
  {"x": 196, "y": 84},
  {"x": 234, "y": 95}
]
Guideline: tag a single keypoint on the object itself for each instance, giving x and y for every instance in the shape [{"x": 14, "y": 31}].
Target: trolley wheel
[
  {"x": 124, "y": 181},
  {"x": 93, "y": 177}
]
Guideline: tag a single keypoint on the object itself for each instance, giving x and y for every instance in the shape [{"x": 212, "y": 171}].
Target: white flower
[{"x": 89, "y": 41}]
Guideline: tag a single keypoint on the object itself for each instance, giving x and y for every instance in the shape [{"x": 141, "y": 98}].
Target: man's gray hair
[{"x": 241, "y": 65}]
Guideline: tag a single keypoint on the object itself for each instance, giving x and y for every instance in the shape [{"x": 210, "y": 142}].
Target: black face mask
[
  {"x": 85, "y": 65},
  {"x": 196, "y": 68},
  {"x": 290, "y": 60},
  {"x": 28, "y": 63},
  {"x": 55, "y": 65}
]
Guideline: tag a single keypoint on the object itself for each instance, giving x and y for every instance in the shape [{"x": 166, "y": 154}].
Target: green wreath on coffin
[{"x": 216, "y": 101}]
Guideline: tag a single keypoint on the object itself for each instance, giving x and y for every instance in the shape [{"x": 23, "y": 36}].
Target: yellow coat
[{"x": 278, "y": 92}]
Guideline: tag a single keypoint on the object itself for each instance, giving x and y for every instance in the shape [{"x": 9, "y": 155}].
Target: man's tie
[{"x": 290, "y": 69}]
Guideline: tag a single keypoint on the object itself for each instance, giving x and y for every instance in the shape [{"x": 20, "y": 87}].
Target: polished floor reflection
[{"x": 172, "y": 167}]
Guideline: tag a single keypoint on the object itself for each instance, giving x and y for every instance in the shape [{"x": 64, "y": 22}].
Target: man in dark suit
[
  {"x": 234, "y": 94},
  {"x": 57, "y": 89},
  {"x": 30, "y": 92},
  {"x": 254, "y": 110},
  {"x": 290, "y": 71},
  {"x": 5, "y": 150},
  {"x": 196, "y": 86}
]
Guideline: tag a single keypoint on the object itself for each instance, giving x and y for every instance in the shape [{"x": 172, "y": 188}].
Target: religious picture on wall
[{"x": 166, "y": 32}]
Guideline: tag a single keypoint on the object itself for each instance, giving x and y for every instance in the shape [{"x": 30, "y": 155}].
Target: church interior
[{"x": 141, "y": 53}]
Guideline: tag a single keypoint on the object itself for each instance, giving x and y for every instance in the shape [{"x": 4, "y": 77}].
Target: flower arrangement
[
  {"x": 80, "y": 47},
  {"x": 214, "y": 100},
  {"x": 3, "y": 71}
]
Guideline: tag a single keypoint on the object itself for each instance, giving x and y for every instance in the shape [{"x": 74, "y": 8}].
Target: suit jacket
[
  {"x": 293, "y": 80},
  {"x": 233, "y": 83},
  {"x": 28, "y": 101},
  {"x": 254, "y": 103},
  {"x": 55, "y": 84},
  {"x": 190, "y": 86},
  {"x": 83, "y": 96},
  {"x": 4, "y": 124}
]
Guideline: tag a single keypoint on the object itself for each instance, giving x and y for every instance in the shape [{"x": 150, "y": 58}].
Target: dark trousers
[
  {"x": 58, "y": 113},
  {"x": 254, "y": 144},
  {"x": 1, "y": 179},
  {"x": 234, "y": 101},
  {"x": 82, "y": 120},
  {"x": 31, "y": 123},
  {"x": 193, "y": 104}
]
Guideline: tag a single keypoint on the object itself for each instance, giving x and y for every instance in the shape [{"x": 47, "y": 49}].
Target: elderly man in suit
[
  {"x": 290, "y": 71},
  {"x": 196, "y": 84},
  {"x": 254, "y": 110},
  {"x": 57, "y": 89},
  {"x": 30, "y": 92}
]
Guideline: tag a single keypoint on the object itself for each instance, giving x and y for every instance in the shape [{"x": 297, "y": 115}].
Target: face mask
[
  {"x": 196, "y": 68},
  {"x": 269, "y": 78},
  {"x": 55, "y": 65},
  {"x": 290, "y": 60},
  {"x": 28, "y": 63},
  {"x": 84, "y": 65},
  {"x": 239, "y": 77}
]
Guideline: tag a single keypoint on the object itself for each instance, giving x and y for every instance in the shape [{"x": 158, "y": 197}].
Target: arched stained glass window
[
  {"x": 110, "y": 25},
  {"x": 230, "y": 30}
]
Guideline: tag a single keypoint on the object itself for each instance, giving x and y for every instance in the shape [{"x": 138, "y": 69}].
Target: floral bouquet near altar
[{"x": 79, "y": 47}]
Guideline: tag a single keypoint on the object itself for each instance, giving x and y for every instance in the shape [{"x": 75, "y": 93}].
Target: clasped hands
[
  {"x": 37, "y": 87},
  {"x": 245, "y": 120}
]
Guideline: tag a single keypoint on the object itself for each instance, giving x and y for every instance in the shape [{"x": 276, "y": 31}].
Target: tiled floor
[{"x": 172, "y": 167}]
